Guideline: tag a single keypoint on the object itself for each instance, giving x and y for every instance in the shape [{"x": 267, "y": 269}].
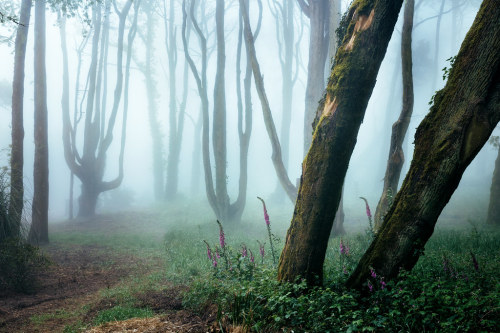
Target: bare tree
[
  {"x": 494, "y": 205},
  {"x": 39, "y": 232},
  {"x": 16, "y": 201},
  {"x": 400, "y": 127},
  {"x": 98, "y": 134}
]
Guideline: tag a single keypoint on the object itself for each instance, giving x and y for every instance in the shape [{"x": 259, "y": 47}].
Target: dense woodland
[{"x": 135, "y": 133}]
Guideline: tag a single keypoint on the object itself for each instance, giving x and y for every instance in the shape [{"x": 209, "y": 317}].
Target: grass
[
  {"x": 444, "y": 292},
  {"x": 119, "y": 313}
]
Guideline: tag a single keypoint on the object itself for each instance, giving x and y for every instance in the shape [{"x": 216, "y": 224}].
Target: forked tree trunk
[
  {"x": 494, "y": 207},
  {"x": 16, "y": 202},
  {"x": 39, "y": 231},
  {"x": 369, "y": 29},
  {"x": 459, "y": 123},
  {"x": 400, "y": 127}
]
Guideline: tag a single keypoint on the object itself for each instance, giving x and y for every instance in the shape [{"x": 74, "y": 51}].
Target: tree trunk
[
  {"x": 16, "y": 201},
  {"x": 39, "y": 232},
  {"x": 459, "y": 123},
  {"x": 174, "y": 142},
  {"x": 280, "y": 169},
  {"x": 369, "y": 29},
  {"x": 437, "y": 44},
  {"x": 318, "y": 48},
  {"x": 494, "y": 207},
  {"x": 396, "y": 155},
  {"x": 90, "y": 167}
]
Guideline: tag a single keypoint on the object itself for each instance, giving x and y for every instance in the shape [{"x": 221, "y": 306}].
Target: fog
[{"x": 368, "y": 162}]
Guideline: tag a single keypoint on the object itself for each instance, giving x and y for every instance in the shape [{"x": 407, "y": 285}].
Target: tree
[
  {"x": 318, "y": 12},
  {"x": 494, "y": 206},
  {"x": 176, "y": 114},
  {"x": 368, "y": 26},
  {"x": 16, "y": 201},
  {"x": 288, "y": 48},
  {"x": 399, "y": 128},
  {"x": 218, "y": 195},
  {"x": 461, "y": 120},
  {"x": 39, "y": 232},
  {"x": 147, "y": 70},
  {"x": 98, "y": 134}
]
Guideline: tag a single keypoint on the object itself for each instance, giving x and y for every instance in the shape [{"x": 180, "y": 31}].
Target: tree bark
[
  {"x": 16, "y": 201},
  {"x": 459, "y": 123},
  {"x": 400, "y": 127},
  {"x": 318, "y": 49},
  {"x": 39, "y": 232},
  {"x": 494, "y": 206},
  {"x": 281, "y": 172},
  {"x": 369, "y": 29}
]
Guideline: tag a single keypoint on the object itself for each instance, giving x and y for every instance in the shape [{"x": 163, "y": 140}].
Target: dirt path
[{"x": 68, "y": 291}]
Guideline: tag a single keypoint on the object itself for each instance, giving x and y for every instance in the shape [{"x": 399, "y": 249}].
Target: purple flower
[
  {"x": 244, "y": 251},
  {"x": 214, "y": 262},
  {"x": 209, "y": 252},
  {"x": 344, "y": 248},
  {"x": 383, "y": 284},
  {"x": 266, "y": 216},
  {"x": 252, "y": 258},
  {"x": 370, "y": 286},
  {"x": 222, "y": 237},
  {"x": 262, "y": 251},
  {"x": 372, "y": 273},
  {"x": 217, "y": 253},
  {"x": 368, "y": 212}
]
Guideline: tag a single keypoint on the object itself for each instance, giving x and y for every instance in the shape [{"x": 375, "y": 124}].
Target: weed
[{"x": 118, "y": 313}]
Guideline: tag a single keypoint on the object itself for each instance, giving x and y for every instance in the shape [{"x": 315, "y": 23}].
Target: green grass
[
  {"x": 58, "y": 314},
  {"x": 429, "y": 298},
  {"x": 119, "y": 313}
]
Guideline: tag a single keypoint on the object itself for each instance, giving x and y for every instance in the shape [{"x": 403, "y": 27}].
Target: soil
[{"x": 68, "y": 293}]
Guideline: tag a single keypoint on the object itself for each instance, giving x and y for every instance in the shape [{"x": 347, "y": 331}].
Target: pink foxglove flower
[
  {"x": 244, "y": 251},
  {"x": 372, "y": 273},
  {"x": 266, "y": 216}
]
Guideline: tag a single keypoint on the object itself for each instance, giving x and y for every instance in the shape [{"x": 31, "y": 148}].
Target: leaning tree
[{"x": 462, "y": 118}]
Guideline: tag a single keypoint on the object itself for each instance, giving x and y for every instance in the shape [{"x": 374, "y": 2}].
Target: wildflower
[
  {"x": 372, "y": 273},
  {"x": 344, "y": 248},
  {"x": 222, "y": 237},
  {"x": 214, "y": 262},
  {"x": 370, "y": 286},
  {"x": 368, "y": 211},
  {"x": 382, "y": 284},
  {"x": 261, "y": 249},
  {"x": 266, "y": 216},
  {"x": 244, "y": 252},
  {"x": 209, "y": 252},
  {"x": 252, "y": 258},
  {"x": 217, "y": 253},
  {"x": 474, "y": 262}
]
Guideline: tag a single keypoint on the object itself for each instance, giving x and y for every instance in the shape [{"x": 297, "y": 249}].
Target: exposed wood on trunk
[
  {"x": 459, "y": 123},
  {"x": 349, "y": 88},
  {"x": 400, "y": 127}
]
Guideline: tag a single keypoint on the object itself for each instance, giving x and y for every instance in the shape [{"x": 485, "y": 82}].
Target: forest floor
[{"x": 90, "y": 261}]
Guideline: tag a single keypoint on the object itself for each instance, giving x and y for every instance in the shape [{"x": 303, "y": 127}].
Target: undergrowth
[{"x": 453, "y": 287}]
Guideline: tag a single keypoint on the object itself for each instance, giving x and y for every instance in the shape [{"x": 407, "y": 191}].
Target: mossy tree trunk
[
  {"x": 16, "y": 201},
  {"x": 39, "y": 231},
  {"x": 400, "y": 127},
  {"x": 459, "y": 123},
  {"x": 494, "y": 206},
  {"x": 369, "y": 26}
]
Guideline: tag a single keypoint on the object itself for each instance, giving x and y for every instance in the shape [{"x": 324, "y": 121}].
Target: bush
[{"x": 20, "y": 264}]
